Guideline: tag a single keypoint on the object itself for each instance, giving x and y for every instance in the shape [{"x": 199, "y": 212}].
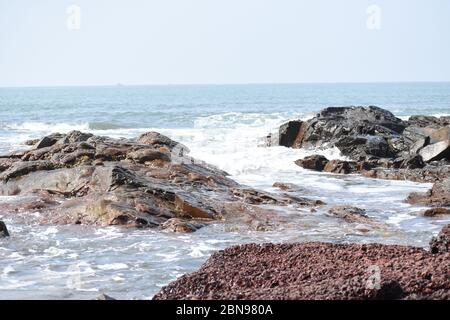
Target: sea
[{"x": 224, "y": 125}]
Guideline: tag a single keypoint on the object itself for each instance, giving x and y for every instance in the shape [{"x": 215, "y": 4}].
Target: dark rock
[
  {"x": 441, "y": 243},
  {"x": 340, "y": 166},
  {"x": 314, "y": 162},
  {"x": 357, "y": 130},
  {"x": 104, "y": 297},
  {"x": 46, "y": 142},
  {"x": 144, "y": 182},
  {"x": 319, "y": 271},
  {"x": 369, "y": 145},
  {"x": 428, "y": 121},
  {"x": 144, "y": 155},
  {"x": 157, "y": 140},
  {"x": 436, "y": 211},
  {"x": 3, "y": 230},
  {"x": 288, "y": 133},
  {"x": 349, "y": 213}
]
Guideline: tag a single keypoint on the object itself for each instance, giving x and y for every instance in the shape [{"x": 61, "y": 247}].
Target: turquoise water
[{"x": 223, "y": 125}]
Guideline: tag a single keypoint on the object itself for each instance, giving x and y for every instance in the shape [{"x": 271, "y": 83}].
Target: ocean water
[{"x": 223, "y": 125}]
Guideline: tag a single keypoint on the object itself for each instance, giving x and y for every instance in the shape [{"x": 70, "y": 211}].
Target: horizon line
[{"x": 119, "y": 84}]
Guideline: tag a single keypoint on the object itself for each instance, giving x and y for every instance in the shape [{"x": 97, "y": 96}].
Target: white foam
[{"x": 113, "y": 266}]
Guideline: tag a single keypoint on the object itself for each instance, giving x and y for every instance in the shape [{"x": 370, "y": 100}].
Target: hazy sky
[{"x": 222, "y": 41}]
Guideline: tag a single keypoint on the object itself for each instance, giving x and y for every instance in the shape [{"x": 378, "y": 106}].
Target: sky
[{"x": 104, "y": 42}]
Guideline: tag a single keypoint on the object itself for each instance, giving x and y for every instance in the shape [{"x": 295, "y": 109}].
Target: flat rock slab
[{"x": 316, "y": 271}]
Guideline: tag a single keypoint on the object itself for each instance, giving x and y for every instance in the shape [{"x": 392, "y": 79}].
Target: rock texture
[
  {"x": 382, "y": 146},
  {"x": 149, "y": 181},
  {"x": 3, "y": 230},
  {"x": 441, "y": 243},
  {"x": 317, "y": 271}
]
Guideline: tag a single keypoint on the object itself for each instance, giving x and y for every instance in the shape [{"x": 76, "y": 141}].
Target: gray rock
[{"x": 436, "y": 151}]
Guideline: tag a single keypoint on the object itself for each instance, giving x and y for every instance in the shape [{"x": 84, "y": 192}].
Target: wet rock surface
[
  {"x": 150, "y": 181},
  {"x": 382, "y": 146},
  {"x": 3, "y": 230},
  {"x": 441, "y": 243},
  {"x": 318, "y": 271},
  {"x": 349, "y": 213}
]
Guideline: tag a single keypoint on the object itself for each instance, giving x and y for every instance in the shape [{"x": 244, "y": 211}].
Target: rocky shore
[
  {"x": 150, "y": 181},
  {"x": 320, "y": 271},
  {"x": 378, "y": 145}
]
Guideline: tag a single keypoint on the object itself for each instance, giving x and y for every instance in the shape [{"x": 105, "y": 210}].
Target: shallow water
[{"x": 222, "y": 125}]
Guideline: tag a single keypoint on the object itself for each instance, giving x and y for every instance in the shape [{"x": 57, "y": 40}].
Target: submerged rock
[
  {"x": 3, "y": 230},
  {"x": 316, "y": 271},
  {"x": 145, "y": 182},
  {"x": 349, "y": 213}
]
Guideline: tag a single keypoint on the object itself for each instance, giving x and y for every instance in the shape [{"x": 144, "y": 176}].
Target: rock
[
  {"x": 428, "y": 121},
  {"x": 144, "y": 155},
  {"x": 141, "y": 183},
  {"x": 46, "y": 142},
  {"x": 3, "y": 230},
  {"x": 440, "y": 134},
  {"x": 179, "y": 225},
  {"x": 314, "y": 270},
  {"x": 287, "y": 133},
  {"x": 436, "y": 211},
  {"x": 104, "y": 297},
  {"x": 22, "y": 168},
  {"x": 31, "y": 142},
  {"x": 436, "y": 151},
  {"x": 349, "y": 213},
  {"x": 339, "y": 166},
  {"x": 438, "y": 196},
  {"x": 362, "y": 146},
  {"x": 315, "y": 162},
  {"x": 419, "y": 145},
  {"x": 357, "y": 130},
  {"x": 157, "y": 140},
  {"x": 441, "y": 243}
]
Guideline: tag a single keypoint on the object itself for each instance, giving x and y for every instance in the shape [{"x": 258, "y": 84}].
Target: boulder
[
  {"x": 368, "y": 127},
  {"x": 340, "y": 166},
  {"x": 441, "y": 243},
  {"x": 287, "y": 133},
  {"x": 438, "y": 196},
  {"x": 436, "y": 151},
  {"x": 314, "y": 162},
  {"x": 141, "y": 183},
  {"x": 3, "y": 230}
]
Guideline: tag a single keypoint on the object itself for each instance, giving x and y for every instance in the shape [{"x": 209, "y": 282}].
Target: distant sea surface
[{"x": 223, "y": 125}]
